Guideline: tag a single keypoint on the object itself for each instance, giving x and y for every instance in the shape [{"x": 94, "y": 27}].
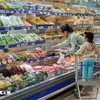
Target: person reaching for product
[
  {"x": 71, "y": 38},
  {"x": 87, "y": 53}
]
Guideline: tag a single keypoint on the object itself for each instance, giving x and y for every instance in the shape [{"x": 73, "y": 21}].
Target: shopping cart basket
[{"x": 94, "y": 81}]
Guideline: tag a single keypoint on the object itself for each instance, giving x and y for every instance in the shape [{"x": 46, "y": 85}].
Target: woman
[
  {"x": 74, "y": 39},
  {"x": 71, "y": 37}
]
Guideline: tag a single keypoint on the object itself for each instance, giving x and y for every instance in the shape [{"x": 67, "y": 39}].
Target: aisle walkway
[
  {"x": 65, "y": 96},
  {"x": 91, "y": 95},
  {"x": 73, "y": 98}
]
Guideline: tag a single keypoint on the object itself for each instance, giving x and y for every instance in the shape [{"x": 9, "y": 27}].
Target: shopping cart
[{"x": 95, "y": 80}]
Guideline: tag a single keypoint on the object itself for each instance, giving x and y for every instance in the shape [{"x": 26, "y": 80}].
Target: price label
[
  {"x": 17, "y": 12},
  {"x": 7, "y": 29},
  {"x": 53, "y": 57},
  {"x": 2, "y": 67},
  {"x": 18, "y": 45},
  {"x": 6, "y": 46},
  {"x": 59, "y": 14},
  {"x": 33, "y": 27},
  {"x": 40, "y": 27},
  {"x": 78, "y": 26},
  {"x": 51, "y": 26},
  {"x": 41, "y": 12},
  {"x": 8, "y": 92},
  {"x": 48, "y": 13},
  {"x": 28, "y": 28},
  {"x": 22, "y": 44},
  {"x": 81, "y": 15},
  {"x": 22, "y": 12},
  {"x": 11, "y": 11},
  {"x": 31, "y": 62},
  {"x": 37, "y": 60},
  {"x": 2, "y": 11},
  {"x": 56, "y": 14},
  {"x": 9, "y": 89},
  {"x": 57, "y": 26},
  {"x": 49, "y": 58},
  {"x": 91, "y": 15},
  {"x": 12, "y": 28},
  {"x": 26, "y": 44},
  {"x": 33, "y": 44},
  {"x": 24, "y": 28},
  {"x": 7, "y": 11},
  {"x": 83, "y": 25},
  {"x": 45, "y": 12},
  {"x": 56, "y": 56},
  {"x": 30, "y": 12},
  {"x": 70, "y": 14}
]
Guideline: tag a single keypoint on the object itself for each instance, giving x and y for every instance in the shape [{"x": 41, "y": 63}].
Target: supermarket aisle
[
  {"x": 73, "y": 98},
  {"x": 70, "y": 96}
]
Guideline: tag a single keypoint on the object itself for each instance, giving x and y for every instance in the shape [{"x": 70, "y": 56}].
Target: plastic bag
[{"x": 61, "y": 59}]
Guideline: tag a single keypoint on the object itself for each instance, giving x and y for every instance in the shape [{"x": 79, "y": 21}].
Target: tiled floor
[{"x": 65, "y": 96}]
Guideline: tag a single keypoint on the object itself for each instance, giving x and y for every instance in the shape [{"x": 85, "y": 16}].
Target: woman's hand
[
  {"x": 45, "y": 52},
  {"x": 53, "y": 47},
  {"x": 62, "y": 51}
]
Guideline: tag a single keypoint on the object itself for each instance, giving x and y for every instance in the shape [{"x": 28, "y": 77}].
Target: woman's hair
[
  {"x": 66, "y": 27},
  {"x": 89, "y": 36}
]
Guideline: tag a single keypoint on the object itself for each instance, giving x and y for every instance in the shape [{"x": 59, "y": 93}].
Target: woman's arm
[
  {"x": 64, "y": 43},
  {"x": 74, "y": 42}
]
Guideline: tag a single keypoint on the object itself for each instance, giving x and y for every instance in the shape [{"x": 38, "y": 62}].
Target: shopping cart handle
[{"x": 77, "y": 46}]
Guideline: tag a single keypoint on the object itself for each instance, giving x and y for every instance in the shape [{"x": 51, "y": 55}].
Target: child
[{"x": 87, "y": 54}]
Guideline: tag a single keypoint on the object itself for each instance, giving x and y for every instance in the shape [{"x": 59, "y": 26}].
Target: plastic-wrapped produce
[
  {"x": 20, "y": 21},
  {"x": 5, "y": 21},
  {"x": 14, "y": 21}
]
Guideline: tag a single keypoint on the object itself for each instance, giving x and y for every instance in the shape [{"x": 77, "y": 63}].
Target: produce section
[{"x": 29, "y": 70}]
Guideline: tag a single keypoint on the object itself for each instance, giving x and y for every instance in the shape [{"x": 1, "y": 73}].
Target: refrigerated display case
[{"x": 29, "y": 17}]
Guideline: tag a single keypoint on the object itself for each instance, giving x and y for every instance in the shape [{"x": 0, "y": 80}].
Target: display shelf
[
  {"x": 2, "y": 67},
  {"x": 84, "y": 25},
  {"x": 36, "y": 92},
  {"x": 42, "y": 59},
  {"x": 39, "y": 27},
  {"x": 52, "y": 57},
  {"x": 22, "y": 44},
  {"x": 33, "y": 61},
  {"x": 45, "y": 89},
  {"x": 45, "y": 13}
]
